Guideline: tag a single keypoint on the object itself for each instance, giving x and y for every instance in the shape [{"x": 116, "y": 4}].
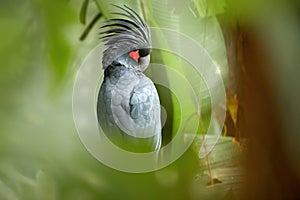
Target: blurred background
[{"x": 256, "y": 46}]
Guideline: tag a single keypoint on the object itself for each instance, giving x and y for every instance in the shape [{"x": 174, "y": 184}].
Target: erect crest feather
[{"x": 128, "y": 32}]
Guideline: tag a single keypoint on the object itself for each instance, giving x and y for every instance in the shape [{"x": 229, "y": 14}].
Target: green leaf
[
  {"x": 106, "y": 8},
  {"x": 208, "y": 8},
  {"x": 205, "y": 31}
]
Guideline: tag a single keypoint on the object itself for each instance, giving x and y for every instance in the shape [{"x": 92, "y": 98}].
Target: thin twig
[{"x": 90, "y": 26}]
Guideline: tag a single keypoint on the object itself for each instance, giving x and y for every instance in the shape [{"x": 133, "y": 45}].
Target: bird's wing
[
  {"x": 145, "y": 107},
  {"x": 135, "y": 106}
]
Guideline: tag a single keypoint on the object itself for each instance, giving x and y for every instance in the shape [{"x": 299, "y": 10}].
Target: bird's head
[{"x": 128, "y": 36}]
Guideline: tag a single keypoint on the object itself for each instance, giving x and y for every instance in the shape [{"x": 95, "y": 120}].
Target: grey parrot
[{"x": 128, "y": 106}]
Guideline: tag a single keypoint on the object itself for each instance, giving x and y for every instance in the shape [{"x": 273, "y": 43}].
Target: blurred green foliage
[{"x": 41, "y": 156}]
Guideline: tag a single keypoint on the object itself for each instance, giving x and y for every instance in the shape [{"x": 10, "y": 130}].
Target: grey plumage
[{"x": 128, "y": 106}]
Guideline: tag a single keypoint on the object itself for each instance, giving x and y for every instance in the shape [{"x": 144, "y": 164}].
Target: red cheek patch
[{"x": 135, "y": 55}]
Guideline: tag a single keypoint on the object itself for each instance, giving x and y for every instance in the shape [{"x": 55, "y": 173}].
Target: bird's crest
[{"x": 128, "y": 32}]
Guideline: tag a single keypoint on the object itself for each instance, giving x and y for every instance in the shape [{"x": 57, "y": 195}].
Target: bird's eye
[{"x": 144, "y": 52}]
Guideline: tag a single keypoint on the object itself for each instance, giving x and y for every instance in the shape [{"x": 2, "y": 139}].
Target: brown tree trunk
[{"x": 268, "y": 171}]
